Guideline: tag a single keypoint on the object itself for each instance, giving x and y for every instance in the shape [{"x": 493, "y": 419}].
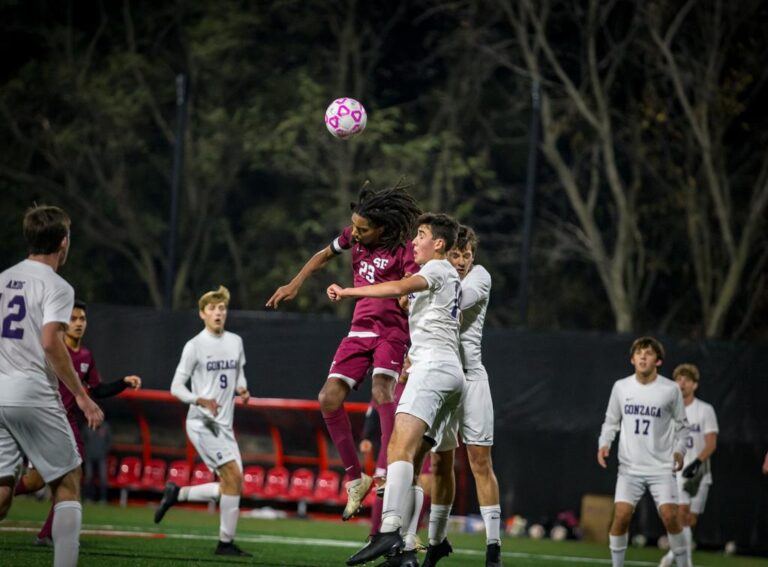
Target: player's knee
[{"x": 670, "y": 520}]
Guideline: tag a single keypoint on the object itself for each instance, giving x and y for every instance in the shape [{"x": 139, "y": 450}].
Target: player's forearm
[
  {"x": 607, "y": 434},
  {"x": 710, "y": 445},
  {"x": 180, "y": 390},
  {"x": 314, "y": 264},
  {"x": 682, "y": 431},
  {"x": 107, "y": 390}
]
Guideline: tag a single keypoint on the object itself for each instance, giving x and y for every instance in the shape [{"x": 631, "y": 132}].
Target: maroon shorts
[{"x": 356, "y": 355}]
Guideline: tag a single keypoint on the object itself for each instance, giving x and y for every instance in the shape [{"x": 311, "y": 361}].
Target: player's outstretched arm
[
  {"x": 244, "y": 394},
  {"x": 380, "y": 290},
  {"x": 52, "y": 340},
  {"x": 289, "y": 291},
  {"x": 110, "y": 389}
]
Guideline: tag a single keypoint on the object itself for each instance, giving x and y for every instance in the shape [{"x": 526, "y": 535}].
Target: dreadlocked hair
[{"x": 391, "y": 208}]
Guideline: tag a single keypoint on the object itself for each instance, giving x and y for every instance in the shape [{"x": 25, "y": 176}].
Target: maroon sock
[
  {"x": 378, "y": 505},
  {"x": 21, "y": 488},
  {"x": 425, "y": 510},
  {"x": 387, "y": 420},
  {"x": 47, "y": 529},
  {"x": 340, "y": 430}
]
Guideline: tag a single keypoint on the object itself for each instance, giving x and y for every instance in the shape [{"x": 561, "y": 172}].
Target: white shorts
[
  {"x": 433, "y": 393},
  {"x": 43, "y": 435},
  {"x": 698, "y": 502},
  {"x": 630, "y": 488},
  {"x": 215, "y": 444},
  {"x": 474, "y": 418}
]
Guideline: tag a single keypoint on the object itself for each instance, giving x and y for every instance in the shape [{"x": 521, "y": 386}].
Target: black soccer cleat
[
  {"x": 436, "y": 552},
  {"x": 230, "y": 548},
  {"x": 170, "y": 497},
  {"x": 409, "y": 559},
  {"x": 493, "y": 555},
  {"x": 383, "y": 543}
]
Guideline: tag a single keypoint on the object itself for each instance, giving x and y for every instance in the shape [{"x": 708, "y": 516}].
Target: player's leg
[
  {"x": 443, "y": 494},
  {"x": 350, "y": 364},
  {"x": 629, "y": 490},
  {"x": 664, "y": 492},
  {"x": 388, "y": 359},
  {"x": 29, "y": 482},
  {"x": 477, "y": 431},
  {"x": 231, "y": 475},
  {"x": 10, "y": 466}
]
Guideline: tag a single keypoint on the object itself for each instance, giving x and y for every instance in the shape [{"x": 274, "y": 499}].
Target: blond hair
[
  {"x": 688, "y": 370},
  {"x": 220, "y": 295}
]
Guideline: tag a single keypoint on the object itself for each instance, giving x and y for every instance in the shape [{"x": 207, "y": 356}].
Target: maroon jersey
[
  {"x": 382, "y": 317},
  {"x": 85, "y": 367}
]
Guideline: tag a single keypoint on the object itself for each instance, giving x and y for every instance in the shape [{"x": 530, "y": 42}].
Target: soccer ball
[
  {"x": 536, "y": 531},
  {"x": 345, "y": 117}
]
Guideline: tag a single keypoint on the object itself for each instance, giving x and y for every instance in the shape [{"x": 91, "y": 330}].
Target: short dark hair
[
  {"x": 80, "y": 304},
  {"x": 442, "y": 226},
  {"x": 647, "y": 342},
  {"x": 44, "y": 228},
  {"x": 466, "y": 236}
]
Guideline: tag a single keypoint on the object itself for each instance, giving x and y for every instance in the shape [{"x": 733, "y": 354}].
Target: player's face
[
  {"x": 687, "y": 386},
  {"x": 77, "y": 323},
  {"x": 364, "y": 232},
  {"x": 214, "y": 315},
  {"x": 645, "y": 361},
  {"x": 424, "y": 245},
  {"x": 462, "y": 259}
]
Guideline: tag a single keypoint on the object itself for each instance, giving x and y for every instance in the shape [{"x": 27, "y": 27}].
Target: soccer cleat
[
  {"x": 43, "y": 542},
  {"x": 409, "y": 559},
  {"x": 170, "y": 497},
  {"x": 493, "y": 555},
  {"x": 667, "y": 561},
  {"x": 436, "y": 552},
  {"x": 383, "y": 543},
  {"x": 392, "y": 561},
  {"x": 356, "y": 491},
  {"x": 230, "y": 548}
]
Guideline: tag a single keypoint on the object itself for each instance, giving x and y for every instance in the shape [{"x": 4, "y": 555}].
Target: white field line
[{"x": 126, "y": 531}]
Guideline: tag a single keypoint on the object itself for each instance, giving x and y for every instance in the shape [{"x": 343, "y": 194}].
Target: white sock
[
  {"x": 618, "y": 546},
  {"x": 399, "y": 481},
  {"x": 678, "y": 547},
  {"x": 229, "y": 513},
  {"x": 688, "y": 535},
  {"x": 438, "y": 522},
  {"x": 67, "y": 519},
  {"x": 412, "y": 519},
  {"x": 492, "y": 520},
  {"x": 199, "y": 492}
]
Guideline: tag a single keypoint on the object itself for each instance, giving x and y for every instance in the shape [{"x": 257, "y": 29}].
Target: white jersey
[
  {"x": 652, "y": 422},
  {"x": 701, "y": 420},
  {"x": 215, "y": 365},
  {"x": 32, "y": 295},
  {"x": 475, "y": 295},
  {"x": 434, "y": 314}
]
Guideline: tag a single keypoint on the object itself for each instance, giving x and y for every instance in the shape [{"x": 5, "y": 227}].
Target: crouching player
[
  {"x": 648, "y": 408},
  {"x": 214, "y": 361}
]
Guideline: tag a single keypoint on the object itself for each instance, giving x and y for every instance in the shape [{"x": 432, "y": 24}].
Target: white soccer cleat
[{"x": 356, "y": 492}]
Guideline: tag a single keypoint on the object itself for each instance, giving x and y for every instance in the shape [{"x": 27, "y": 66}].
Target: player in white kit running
[
  {"x": 648, "y": 409},
  {"x": 436, "y": 379},
  {"x": 214, "y": 361},
  {"x": 35, "y": 305},
  {"x": 474, "y": 419},
  {"x": 694, "y": 480}
]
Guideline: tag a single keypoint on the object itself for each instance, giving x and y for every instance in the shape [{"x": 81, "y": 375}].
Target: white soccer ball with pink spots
[{"x": 345, "y": 117}]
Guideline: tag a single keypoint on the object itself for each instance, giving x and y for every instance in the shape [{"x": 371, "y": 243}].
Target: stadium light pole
[
  {"x": 178, "y": 163},
  {"x": 530, "y": 190}
]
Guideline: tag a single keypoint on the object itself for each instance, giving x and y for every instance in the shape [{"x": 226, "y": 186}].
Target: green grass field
[{"x": 119, "y": 537}]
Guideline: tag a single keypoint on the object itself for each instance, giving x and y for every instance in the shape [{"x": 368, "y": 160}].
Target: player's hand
[
  {"x": 93, "y": 414},
  {"x": 133, "y": 381},
  {"x": 602, "y": 454},
  {"x": 691, "y": 470},
  {"x": 335, "y": 292},
  {"x": 678, "y": 461},
  {"x": 284, "y": 293},
  {"x": 210, "y": 405},
  {"x": 765, "y": 464},
  {"x": 366, "y": 446},
  {"x": 245, "y": 395}
]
